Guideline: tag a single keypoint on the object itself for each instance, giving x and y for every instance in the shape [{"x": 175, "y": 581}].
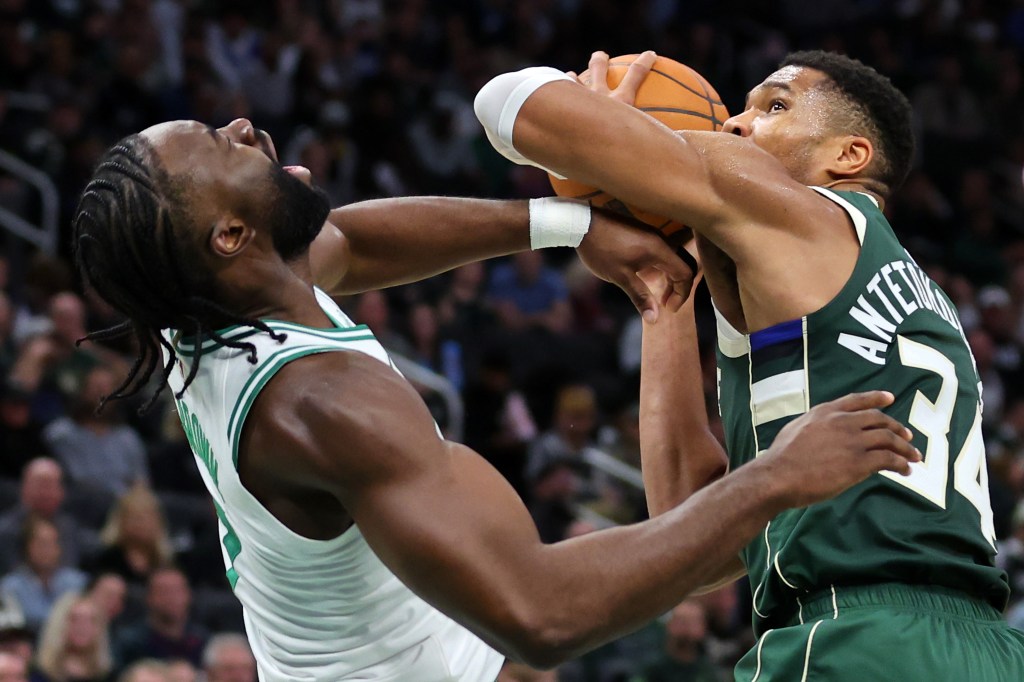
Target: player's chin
[{"x": 300, "y": 172}]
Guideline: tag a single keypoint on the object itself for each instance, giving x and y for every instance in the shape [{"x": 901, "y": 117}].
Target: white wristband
[{"x": 558, "y": 222}]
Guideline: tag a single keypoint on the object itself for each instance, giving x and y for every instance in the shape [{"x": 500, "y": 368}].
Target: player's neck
[
  {"x": 279, "y": 291},
  {"x": 856, "y": 185}
]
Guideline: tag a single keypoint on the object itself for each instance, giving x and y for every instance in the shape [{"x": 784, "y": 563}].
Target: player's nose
[
  {"x": 738, "y": 125},
  {"x": 241, "y": 130}
]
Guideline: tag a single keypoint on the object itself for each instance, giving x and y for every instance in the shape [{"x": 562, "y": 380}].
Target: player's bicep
[
  {"x": 459, "y": 537},
  {"x": 438, "y": 515}
]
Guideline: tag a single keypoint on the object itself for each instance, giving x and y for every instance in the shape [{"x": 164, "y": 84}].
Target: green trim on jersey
[
  {"x": 255, "y": 384},
  {"x": 231, "y": 543},
  {"x": 890, "y": 327},
  {"x": 187, "y": 349}
]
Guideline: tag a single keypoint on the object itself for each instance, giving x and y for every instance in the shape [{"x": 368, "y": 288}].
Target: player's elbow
[
  {"x": 544, "y": 647},
  {"x": 536, "y": 637}
]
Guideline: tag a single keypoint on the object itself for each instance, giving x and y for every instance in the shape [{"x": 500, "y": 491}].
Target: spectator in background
[
  {"x": 553, "y": 494},
  {"x": 108, "y": 592},
  {"x": 94, "y": 447},
  {"x": 51, "y": 365},
  {"x": 461, "y": 311},
  {"x": 571, "y": 433},
  {"x": 75, "y": 644},
  {"x": 527, "y": 294},
  {"x": 40, "y": 580},
  {"x": 15, "y": 638},
  {"x": 13, "y": 669},
  {"x": 684, "y": 658},
  {"x": 1011, "y": 556},
  {"x": 135, "y": 537},
  {"x": 228, "y": 658},
  {"x": 166, "y": 633},
  {"x": 374, "y": 310},
  {"x": 21, "y": 437},
  {"x": 7, "y": 347},
  {"x": 145, "y": 671},
  {"x": 443, "y": 152},
  {"x": 181, "y": 671},
  {"x": 498, "y": 421},
  {"x": 42, "y": 495}
]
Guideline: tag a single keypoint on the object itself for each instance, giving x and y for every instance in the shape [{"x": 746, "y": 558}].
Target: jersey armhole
[{"x": 860, "y": 221}]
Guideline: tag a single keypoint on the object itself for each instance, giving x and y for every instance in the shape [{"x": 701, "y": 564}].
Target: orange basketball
[{"x": 674, "y": 94}]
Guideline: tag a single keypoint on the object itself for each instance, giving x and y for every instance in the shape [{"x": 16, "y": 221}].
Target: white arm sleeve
[{"x": 498, "y": 103}]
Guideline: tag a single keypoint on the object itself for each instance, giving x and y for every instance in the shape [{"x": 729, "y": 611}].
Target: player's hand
[
  {"x": 837, "y": 445},
  {"x": 635, "y": 259},
  {"x": 635, "y": 75}
]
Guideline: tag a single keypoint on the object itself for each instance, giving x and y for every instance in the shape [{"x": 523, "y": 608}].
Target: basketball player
[
  {"x": 361, "y": 544},
  {"x": 893, "y": 580}
]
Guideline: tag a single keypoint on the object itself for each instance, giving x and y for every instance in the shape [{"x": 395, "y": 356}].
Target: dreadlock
[{"x": 126, "y": 244}]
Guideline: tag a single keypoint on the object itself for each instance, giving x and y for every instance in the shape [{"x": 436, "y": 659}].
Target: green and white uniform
[
  {"x": 889, "y": 328},
  {"x": 314, "y": 610}
]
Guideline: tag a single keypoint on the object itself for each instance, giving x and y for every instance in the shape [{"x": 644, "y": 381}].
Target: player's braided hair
[
  {"x": 128, "y": 243},
  {"x": 875, "y": 106}
]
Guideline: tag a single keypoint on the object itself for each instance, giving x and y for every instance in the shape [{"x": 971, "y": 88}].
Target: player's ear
[
  {"x": 853, "y": 156},
  {"x": 230, "y": 236}
]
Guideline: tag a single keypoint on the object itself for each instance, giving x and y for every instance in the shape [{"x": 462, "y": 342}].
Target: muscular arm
[
  {"x": 712, "y": 182},
  {"x": 679, "y": 454},
  {"x": 386, "y": 242},
  {"x": 447, "y": 524},
  {"x": 785, "y": 239}
]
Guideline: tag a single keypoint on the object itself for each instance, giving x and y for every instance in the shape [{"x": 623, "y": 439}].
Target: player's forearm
[
  {"x": 396, "y": 241},
  {"x": 679, "y": 454},
  {"x": 650, "y": 567}
]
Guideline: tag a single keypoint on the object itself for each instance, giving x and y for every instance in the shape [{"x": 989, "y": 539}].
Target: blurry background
[{"x": 530, "y": 360}]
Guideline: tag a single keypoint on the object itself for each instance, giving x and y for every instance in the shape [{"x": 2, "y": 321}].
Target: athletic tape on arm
[{"x": 497, "y": 106}]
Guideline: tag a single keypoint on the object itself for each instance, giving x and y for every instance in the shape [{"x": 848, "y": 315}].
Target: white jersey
[{"x": 314, "y": 610}]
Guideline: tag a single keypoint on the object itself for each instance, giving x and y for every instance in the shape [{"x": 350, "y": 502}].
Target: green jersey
[{"x": 890, "y": 328}]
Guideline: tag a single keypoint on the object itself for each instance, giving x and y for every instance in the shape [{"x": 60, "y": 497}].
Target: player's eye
[{"x": 776, "y": 105}]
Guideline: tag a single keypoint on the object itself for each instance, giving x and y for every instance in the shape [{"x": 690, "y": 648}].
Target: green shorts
[{"x": 886, "y": 632}]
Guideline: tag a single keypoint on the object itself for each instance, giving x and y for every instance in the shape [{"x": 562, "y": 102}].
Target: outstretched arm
[
  {"x": 387, "y": 242},
  {"x": 453, "y": 530},
  {"x": 679, "y": 455}
]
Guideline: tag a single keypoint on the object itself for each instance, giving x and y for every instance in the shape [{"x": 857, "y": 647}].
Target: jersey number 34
[{"x": 930, "y": 477}]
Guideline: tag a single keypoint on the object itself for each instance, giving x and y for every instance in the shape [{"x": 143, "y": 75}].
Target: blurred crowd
[{"x": 110, "y": 559}]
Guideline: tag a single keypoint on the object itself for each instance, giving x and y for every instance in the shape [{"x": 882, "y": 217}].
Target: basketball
[{"x": 674, "y": 94}]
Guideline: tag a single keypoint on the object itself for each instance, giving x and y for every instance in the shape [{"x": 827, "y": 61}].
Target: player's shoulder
[{"x": 342, "y": 415}]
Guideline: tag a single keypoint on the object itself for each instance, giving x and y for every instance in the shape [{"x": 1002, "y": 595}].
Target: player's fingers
[
  {"x": 642, "y": 296},
  {"x": 883, "y": 460},
  {"x": 677, "y": 287},
  {"x": 882, "y": 439},
  {"x": 867, "y": 400},
  {"x": 598, "y": 68},
  {"x": 668, "y": 261},
  {"x": 635, "y": 75},
  {"x": 876, "y": 419}
]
